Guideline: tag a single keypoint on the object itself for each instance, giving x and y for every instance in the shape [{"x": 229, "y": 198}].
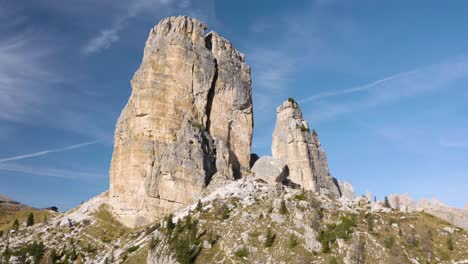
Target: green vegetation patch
[
  {"x": 333, "y": 231},
  {"x": 106, "y": 228}
]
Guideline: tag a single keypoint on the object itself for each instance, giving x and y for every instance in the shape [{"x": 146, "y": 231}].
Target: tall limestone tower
[
  {"x": 188, "y": 121},
  {"x": 300, "y": 148}
]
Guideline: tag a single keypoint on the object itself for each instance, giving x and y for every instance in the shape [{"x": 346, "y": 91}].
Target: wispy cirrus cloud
[
  {"x": 272, "y": 68},
  {"x": 48, "y": 151},
  {"x": 389, "y": 89},
  {"x": 6, "y": 165},
  {"x": 107, "y": 36},
  {"x": 25, "y": 77},
  {"x": 50, "y": 172},
  {"x": 144, "y": 8},
  {"x": 372, "y": 85}
]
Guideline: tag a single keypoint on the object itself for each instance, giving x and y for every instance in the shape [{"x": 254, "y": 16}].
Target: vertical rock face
[
  {"x": 301, "y": 150},
  {"x": 189, "y": 117}
]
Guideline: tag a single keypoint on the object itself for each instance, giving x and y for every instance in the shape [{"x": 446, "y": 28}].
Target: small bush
[
  {"x": 1, "y": 233},
  {"x": 152, "y": 228},
  {"x": 292, "y": 241},
  {"x": 300, "y": 197},
  {"x": 52, "y": 256},
  {"x": 15, "y": 225},
  {"x": 333, "y": 260},
  {"x": 73, "y": 256},
  {"x": 412, "y": 240},
  {"x": 450, "y": 243},
  {"x": 184, "y": 241},
  {"x": 199, "y": 205},
  {"x": 196, "y": 124},
  {"x": 30, "y": 220},
  {"x": 333, "y": 231},
  {"x": 304, "y": 128},
  {"x": 242, "y": 253},
  {"x": 291, "y": 100},
  {"x": 212, "y": 237},
  {"x": 270, "y": 209},
  {"x": 153, "y": 243},
  {"x": 389, "y": 242},
  {"x": 222, "y": 212},
  {"x": 386, "y": 203},
  {"x": 132, "y": 249},
  {"x": 283, "y": 210},
  {"x": 370, "y": 223},
  {"x": 90, "y": 249},
  {"x": 269, "y": 238},
  {"x": 35, "y": 250},
  {"x": 169, "y": 224}
]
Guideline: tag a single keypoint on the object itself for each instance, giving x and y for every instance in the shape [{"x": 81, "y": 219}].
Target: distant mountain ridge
[{"x": 10, "y": 204}]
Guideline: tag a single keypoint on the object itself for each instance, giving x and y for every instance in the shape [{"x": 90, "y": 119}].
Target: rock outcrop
[
  {"x": 402, "y": 202},
  {"x": 300, "y": 148},
  {"x": 270, "y": 170},
  {"x": 346, "y": 189},
  {"x": 189, "y": 119},
  {"x": 455, "y": 216}
]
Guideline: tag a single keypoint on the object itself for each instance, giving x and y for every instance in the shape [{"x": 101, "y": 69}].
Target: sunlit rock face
[
  {"x": 300, "y": 148},
  {"x": 189, "y": 117}
]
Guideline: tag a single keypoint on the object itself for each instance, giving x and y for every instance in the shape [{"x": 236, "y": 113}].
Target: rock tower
[
  {"x": 188, "y": 121},
  {"x": 300, "y": 148}
]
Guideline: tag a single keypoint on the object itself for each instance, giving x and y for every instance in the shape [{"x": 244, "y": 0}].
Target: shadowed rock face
[
  {"x": 189, "y": 118},
  {"x": 295, "y": 144}
]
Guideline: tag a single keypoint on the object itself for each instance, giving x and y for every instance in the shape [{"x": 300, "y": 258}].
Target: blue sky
[{"x": 384, "y": 83}]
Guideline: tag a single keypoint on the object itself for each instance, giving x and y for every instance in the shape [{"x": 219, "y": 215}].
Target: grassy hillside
[{"x": 244, "y": 222}]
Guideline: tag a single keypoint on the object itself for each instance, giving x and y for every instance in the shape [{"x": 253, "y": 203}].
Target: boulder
[
  {"x": 347, "y": 190},
  {"x": 270, "y": 170},
  {"x": 188, "y": 120},
  {"x": 65, "y": 223}
]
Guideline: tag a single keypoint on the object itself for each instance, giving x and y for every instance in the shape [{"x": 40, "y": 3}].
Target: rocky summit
[
  {"x": 300, "y": 148},
  {"x": 185, "y": 187},
  {"x": 188, "y": 121}
]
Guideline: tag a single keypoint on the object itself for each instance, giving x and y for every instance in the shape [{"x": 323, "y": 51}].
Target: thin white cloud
[
  {"x": 50, "y": 172},
  {"x": 271, "y": 69},
  {"x": 25, "y": 78},
  {"x": 45, "y": 152},
  {"x": 146, "y": 9},
  {"x": 103, "y": 41},
  {"x": 110, "y": 35},
  {"x": 390, "y": 89},
  {"x": 363, "y": 88}
]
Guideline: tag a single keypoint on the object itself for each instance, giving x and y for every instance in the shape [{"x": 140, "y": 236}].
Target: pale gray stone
[
  {"x": 206, "y": 244},
  {"x": 347, "y": 190},
  {"x": 65, "y": 223},
  {"x": 277, "y": 218},
  {"x": 270, "y": 170}
]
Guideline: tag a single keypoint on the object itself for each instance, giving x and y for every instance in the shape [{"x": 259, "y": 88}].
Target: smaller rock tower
[{"x": 300, "y": 148}]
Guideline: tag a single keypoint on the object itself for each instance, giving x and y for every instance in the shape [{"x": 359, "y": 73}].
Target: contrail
[
  {"x": 45, "y": 152},
  {"x": 357, "y": 89}
]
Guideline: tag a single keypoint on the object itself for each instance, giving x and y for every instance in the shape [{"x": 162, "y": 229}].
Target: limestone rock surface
[
  {"x": 270, "y": 170},
  {"x": 347, "y": 190},
  {"x": 188, "y": 118},
  {"x": 294, "y": 143},
  {"x": 455, "y": 216}
]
